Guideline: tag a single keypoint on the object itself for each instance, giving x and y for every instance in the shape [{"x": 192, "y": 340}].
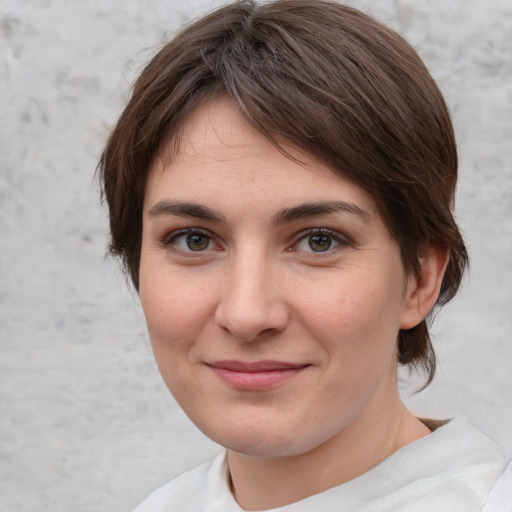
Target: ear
[{"x": 422, "y": 292}]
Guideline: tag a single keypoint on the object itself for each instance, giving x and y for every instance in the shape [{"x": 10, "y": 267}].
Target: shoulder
[
  {"x": 500, "y": 497},
  {"x": 193, "y": 490},
  {"x": 458, "y": 467}
]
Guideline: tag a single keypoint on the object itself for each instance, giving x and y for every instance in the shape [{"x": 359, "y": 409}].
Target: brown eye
[
  {"x": 197, "y": 241},
  {"x": 192, "y": 241},
  {"x": 320, "y": 243}
]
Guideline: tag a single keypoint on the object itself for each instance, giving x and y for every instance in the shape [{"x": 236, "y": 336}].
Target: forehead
[
  {"x": 222, "y": 159},
  {"x": 216, "y": 131}
]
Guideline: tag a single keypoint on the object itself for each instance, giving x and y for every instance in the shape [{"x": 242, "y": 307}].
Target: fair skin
[{"x": 273, "y": 294}]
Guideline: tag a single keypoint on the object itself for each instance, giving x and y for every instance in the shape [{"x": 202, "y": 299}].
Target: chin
[
  {"x": 263, "y": 448},
  {"x": 268, "y": 440}
]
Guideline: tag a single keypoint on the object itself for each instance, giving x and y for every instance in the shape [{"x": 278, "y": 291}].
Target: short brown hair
[{"x": 332, "y": 81}]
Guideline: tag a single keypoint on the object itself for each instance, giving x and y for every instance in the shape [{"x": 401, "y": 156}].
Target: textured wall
[{"x": 85, "y": 423}]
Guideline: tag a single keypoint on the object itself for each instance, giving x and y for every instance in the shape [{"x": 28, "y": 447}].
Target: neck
[{"x": 264, "y": 483}]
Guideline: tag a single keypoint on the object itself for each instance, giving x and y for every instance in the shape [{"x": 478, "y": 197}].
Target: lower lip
[{"x": 256, "y": 380}]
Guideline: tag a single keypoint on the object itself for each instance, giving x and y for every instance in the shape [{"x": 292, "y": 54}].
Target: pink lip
[{"x": 255, "y": 376}]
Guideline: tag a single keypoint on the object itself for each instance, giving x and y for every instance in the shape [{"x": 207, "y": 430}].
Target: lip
[{"x": 259, "y": 375}]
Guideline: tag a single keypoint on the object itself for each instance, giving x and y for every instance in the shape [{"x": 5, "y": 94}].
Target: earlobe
[{"x": 422, "y": 292}]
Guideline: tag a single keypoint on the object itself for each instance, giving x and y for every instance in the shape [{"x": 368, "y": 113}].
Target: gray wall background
[{"x": 85, "y": 422}]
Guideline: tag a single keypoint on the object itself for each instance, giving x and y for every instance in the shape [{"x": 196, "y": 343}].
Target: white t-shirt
[{"x": 454, "y": 469}]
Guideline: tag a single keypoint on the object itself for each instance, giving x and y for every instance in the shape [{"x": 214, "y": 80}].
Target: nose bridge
[
  {"x": 251, "y": 278},
  {"x": 251, "y": 303}
]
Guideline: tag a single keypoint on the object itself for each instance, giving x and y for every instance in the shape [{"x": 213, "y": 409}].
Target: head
[{"x": 329, "y": 82}]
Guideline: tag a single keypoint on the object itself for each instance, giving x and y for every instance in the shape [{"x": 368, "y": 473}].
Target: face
[{"x": 272, "y": 290}]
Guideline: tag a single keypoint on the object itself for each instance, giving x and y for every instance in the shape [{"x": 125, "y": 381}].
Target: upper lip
[{"x": 257, "y": 366}]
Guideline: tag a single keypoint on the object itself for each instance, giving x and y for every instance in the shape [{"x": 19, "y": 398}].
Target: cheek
[
  {"x": 175, "y": 306},
  {"x": 177, "y": 315},
  {"x": 356, "y": 318}
]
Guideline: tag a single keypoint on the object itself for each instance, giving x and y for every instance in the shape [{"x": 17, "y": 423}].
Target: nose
[{"x": 251, "y": 305}]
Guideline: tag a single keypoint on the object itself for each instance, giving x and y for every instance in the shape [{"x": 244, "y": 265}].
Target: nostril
[{"x": 250, "y": 324}]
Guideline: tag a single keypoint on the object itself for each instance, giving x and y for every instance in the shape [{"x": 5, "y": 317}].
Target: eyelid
[
  {"x": 341, "y": 239},
  {"x": 168, "y": 239}
]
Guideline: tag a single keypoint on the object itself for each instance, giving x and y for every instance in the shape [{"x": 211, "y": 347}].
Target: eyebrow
[
  {"x": 302, "y": 211},
  {"x": 283, "y": 216},
  {"x": 186, "y": 209}
]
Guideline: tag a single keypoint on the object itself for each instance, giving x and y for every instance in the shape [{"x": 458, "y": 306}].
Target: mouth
[{"x": 259, "y": 375}]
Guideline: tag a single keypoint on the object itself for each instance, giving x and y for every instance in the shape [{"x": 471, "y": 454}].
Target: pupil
[
  {"x": 197, "y": 242},
  {"x": 319, "y": 243}
]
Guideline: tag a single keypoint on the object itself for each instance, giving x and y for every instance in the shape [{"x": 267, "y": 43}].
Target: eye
[
  {"x": 319, "y": 240},
  {"x": 191, "y": 240}
]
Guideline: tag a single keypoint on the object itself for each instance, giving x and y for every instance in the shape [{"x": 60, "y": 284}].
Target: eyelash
[
  {"x": 341, "y": 241},
  {"x": 171, "y": 239},
  {"x": 333, "y": 236}
]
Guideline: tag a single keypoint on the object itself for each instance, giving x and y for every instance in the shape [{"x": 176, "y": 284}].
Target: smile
[{"x": 260, "y": 375}]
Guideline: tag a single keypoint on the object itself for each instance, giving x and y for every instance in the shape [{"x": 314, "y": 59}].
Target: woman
[{"x": 280, "y": 189}]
